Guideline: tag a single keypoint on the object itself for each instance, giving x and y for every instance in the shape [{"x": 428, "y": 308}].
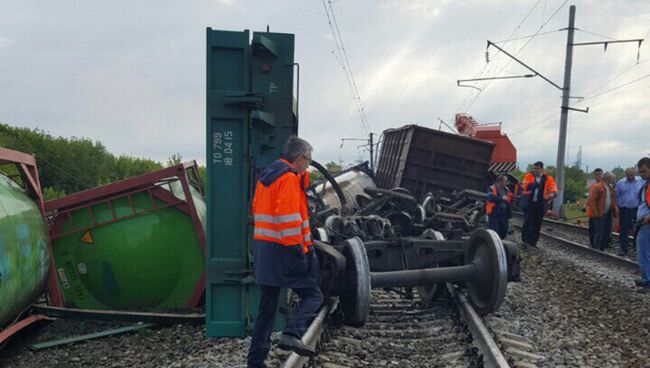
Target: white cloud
[{"x": 132, "y": 74}]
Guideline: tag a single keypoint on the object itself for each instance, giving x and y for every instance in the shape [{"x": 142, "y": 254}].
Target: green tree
[
  {"x": 70, "y": 165},
  {"x": 50, "y": 193},
  {"x": 619, "y": 172},
  {"x": 333, "y": 167},
  {"x": 174, "y": 159},
  {"x": 517, "y": 173},
  {"x": 203, "y": 176}
]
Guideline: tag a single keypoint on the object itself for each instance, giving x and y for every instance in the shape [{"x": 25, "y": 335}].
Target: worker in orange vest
[
  {"x": 497, "y": 207},
  {"x": 538, "y": 188},
  {"x": 282, "y": 251}
]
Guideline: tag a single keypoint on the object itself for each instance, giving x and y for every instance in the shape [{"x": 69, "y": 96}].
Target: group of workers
[
  {"x": 626, "y": 201},
  {"x": 536, "y": 191}
]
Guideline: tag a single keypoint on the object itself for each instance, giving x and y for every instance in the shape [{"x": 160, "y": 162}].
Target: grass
[{"x": 574, "y": 214}]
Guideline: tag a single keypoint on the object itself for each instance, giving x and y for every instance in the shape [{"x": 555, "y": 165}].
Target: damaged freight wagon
[{"x": 394, "y": 235}]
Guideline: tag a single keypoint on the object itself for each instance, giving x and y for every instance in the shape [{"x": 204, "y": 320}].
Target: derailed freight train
[
  {"x": 133, "y": 245},
  {"x": 397, "y": 237},
  {"x": 371, "y": 235}
]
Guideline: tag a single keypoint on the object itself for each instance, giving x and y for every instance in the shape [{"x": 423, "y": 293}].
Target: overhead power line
[
  {"x": 554, "y": 115},
  {"x": 519, "y": 51},
  {"x": 618, "y": 87},
  {"x": 616, "y": 77},
  {"x": 485, "y": 67},
  {"x": 342, "y": 57},
  {"x": 595, "y": 34},
  {"x": 530, "y": 35}
]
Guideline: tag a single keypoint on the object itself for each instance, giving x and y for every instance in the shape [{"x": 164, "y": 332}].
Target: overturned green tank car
[
  {"x": 133, "y": 245},
  {"x": 23, "y": 250}
]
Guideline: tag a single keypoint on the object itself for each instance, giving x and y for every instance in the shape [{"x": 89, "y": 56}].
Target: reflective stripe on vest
[
  {"x": 277, "y": 234},
  {"x": 279, "y": 219}
]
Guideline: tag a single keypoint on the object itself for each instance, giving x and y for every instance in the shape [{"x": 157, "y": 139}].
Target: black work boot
[{"x": 292, "y": 343}]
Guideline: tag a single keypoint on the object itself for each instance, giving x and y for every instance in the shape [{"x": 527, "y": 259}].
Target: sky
[{"x": 131, "y": 74}]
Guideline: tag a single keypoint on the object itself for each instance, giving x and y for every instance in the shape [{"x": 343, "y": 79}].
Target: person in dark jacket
[
  {"x": 497, "y": 207},
  {"x": 601, "y": 204},
  {"x": 282, "y": 251},
  {"x": 538, "y": 188},
  {"x": 643, "y": 226}
]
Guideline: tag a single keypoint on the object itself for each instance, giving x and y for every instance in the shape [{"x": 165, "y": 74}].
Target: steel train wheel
[
  {"x": 430, "y": 293},
  {"x": 355, "y": 302},
  {"x": 487, "y": 291}
]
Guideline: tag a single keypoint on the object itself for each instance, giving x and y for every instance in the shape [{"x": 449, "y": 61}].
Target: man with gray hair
[
  {"x": 627, "y": 200},
  {"x": 283, "y": 257}
]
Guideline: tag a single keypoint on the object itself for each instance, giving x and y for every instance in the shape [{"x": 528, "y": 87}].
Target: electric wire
[
  {"x": 342, "y": 57},
  {"x": 485, "y": 67},
  {"x": 596, "y": 34},
  {"x": 530, "y": 35},
  {"x": 349, "y": 67},
  {"x": 616, "y": 77},
  {"x": 518, "y": 52},
  {"x": 618, "y": 97},
  {"x": 617, "y": 87},
  {"x": 556, "y": 114}
]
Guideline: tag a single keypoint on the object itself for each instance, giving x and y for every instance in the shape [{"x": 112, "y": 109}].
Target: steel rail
[
  {"x": 492, "y": 355},
  {"x": 312, "y": 335},
  {"x": 584, "y": 249},
  {"x": 569, "y": 225}
]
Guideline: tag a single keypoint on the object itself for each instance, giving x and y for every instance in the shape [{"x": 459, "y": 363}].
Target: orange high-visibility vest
[
  {"x": 489, "y": 206},
  {"x": 280, "y": 211},
  {"x": 549, "y": 186}
]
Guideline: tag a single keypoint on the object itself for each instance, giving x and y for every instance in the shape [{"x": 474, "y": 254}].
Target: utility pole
[
  {"x": 566, "y": 90},
  {"x": 369, "y": 142},
  {"x": 372, "y": 157},
  {"x": 564, "y": 117}
]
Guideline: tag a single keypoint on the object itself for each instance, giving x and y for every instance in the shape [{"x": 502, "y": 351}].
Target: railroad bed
[
  {"x": 405, "y": 333},
  {"x": 401, "y": 333},
  {"x": 577, "y": 310},
  {"x": 580, "y": 234}
]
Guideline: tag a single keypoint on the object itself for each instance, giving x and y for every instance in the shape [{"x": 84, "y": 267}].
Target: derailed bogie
[
  {"x": 388, "y": 242},
  {"x": 354, "y": 268}
]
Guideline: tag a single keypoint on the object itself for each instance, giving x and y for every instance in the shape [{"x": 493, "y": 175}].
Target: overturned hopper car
[{"x": 424, "y": 160}]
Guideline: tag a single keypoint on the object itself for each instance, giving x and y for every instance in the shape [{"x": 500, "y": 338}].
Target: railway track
[
  {"x": 406, "y": 333},
  {"x": 577, "y": 238}
]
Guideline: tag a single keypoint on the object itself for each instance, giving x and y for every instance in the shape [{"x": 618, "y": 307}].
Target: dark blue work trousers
[
  {"x": 602, "y": 231},
  {"x": 626, "y": 222},
  {"x": 311, "y": 299},
  {"x": 498, "y": 221},
  {"x": 533, "y": 216}
]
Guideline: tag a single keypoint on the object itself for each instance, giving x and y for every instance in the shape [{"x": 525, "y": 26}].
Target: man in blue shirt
[
  {"x": 627, "y": 200},
  {"x": 643, "y": 225}
]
